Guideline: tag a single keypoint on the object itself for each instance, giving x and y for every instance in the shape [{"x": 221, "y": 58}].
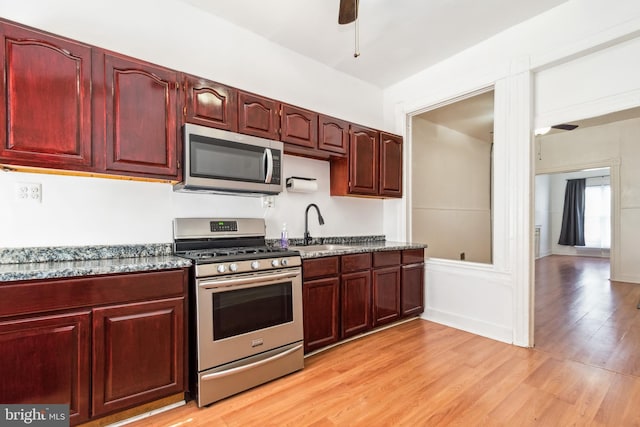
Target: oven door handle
[
  {"x": 239, "y": 369},
  {"x": 252, "y": 280}
]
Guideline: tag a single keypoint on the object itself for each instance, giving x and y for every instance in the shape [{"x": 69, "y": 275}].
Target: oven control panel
[
  {"x": 223, "y": 226},
  {"x": 219, "y": 268}
]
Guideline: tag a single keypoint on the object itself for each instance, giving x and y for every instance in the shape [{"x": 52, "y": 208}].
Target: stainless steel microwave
[{"x": 220, "y": 161}]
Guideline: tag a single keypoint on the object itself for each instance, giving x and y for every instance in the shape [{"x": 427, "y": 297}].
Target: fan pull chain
[{"x": 357, "y": 40}]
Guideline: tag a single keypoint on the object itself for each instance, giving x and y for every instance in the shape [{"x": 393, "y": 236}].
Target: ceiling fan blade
[
  {"x": 348, "y": 11},
  {"x": 565, "y": 126}
]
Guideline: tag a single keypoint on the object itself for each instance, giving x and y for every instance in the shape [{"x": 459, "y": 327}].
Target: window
[{"x": 597, "y": 213}]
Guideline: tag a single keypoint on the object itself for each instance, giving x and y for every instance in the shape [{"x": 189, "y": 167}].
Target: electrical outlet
[
  {"x": 29, "y": 192},
  {"x": 268, "y": 201}
]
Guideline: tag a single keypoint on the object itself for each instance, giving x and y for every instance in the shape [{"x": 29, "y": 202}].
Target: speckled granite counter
[
  {"x": 350, "y": 245},
  {"x": 354, "y": 248},
  {"x": 53, "y": 262}
]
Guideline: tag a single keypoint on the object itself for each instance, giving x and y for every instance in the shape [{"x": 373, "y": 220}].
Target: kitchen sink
[{"x": 320, "y": 248}]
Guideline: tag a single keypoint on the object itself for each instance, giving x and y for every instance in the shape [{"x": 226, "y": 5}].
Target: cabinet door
[
  {"x": 386, "y": 295},
  {"x": 45, "y": 100},
  {"x": 390, "y": 165},
  {"x": 211, "y": 104},
  {"x": 355, "y": 300},
  {"x": 258, "y": 116},
  {"x": 320, "y": 302},
  {"x": 412, "y": 289},
  {"x": 141, "y": 103},
  {"x": 298, "y": 127},
  {"x": 363, "y": 161},
  {"x": 46, "y": 360},
  {"x": 333, "y": 135},
  {"x": 138, "y": 353}
]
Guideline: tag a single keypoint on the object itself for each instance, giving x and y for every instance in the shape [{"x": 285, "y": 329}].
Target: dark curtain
[{"x": 572, "y": 231}]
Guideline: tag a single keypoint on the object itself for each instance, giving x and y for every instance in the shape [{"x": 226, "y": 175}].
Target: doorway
[
  {"x": 451, "y": 175},
  {"x": 586, "y": 304}
]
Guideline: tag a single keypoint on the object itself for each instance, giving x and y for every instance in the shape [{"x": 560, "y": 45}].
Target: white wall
[
  {"x": 451, "y": 206},
  {"x": 508, "y": 61},
  {"x": 79, "y": 211},
  {"x": 89, "y": 211}
]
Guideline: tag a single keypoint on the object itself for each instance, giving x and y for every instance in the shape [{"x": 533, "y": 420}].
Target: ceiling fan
[
  {"x": 561, "y": 126},
  {"x": 347, "y": 14},
  {"x": 564, "y": 126},
  {"x": 348, "y": 11}
]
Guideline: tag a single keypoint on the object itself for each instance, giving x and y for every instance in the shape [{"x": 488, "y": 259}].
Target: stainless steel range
[{"x": 247, "y": 301}]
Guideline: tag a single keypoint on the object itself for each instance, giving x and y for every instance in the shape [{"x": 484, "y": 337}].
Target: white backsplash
[{"x": 77, "y": 211}]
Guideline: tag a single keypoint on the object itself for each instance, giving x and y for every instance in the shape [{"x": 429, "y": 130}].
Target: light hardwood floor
[{"x": 584, "y": 370}]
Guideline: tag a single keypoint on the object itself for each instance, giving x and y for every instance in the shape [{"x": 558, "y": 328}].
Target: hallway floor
[{"x": 582, "y": 316}]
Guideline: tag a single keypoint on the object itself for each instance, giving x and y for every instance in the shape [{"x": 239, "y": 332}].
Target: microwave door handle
[{"x": 269, "y": 161}]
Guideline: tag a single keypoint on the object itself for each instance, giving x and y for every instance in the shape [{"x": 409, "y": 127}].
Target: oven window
[{"x": 245, "y": 310}]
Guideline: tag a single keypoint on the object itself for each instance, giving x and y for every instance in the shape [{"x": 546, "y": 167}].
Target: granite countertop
[
  {"x": 54, "y": 262},
  {"x": 349, "y": 245},
  {"x": 77, "y": 261}
]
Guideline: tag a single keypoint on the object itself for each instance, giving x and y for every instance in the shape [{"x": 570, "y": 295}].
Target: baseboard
[
  {"x": 139, "y": 412},
  {"x": 475, "y": 326},
  {"x": 626, "y": 279}
]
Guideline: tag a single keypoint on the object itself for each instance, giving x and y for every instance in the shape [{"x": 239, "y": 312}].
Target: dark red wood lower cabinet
[
  {"x": 412, "y": 289},
  {"x": 386, "y": 295},
  {"x": 356, "y": 303},
  {"x": 320, "y": 302},
  {"x": 45, "y": 360},
  {"x": 137, "y": 353}
]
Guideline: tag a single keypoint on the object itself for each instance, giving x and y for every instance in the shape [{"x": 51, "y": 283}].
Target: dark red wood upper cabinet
[
  {"x": 298, "y": 126},
  {"x": 45, "y": 359},
  {"x": 140, "y": 110},
  {"x": 45, "y": 100},
  {"x": 211, "y": 104},
  {"x": 363, "y": 161},
  {"x": 258, "y": 116},
  {"x": 390, "y": 165},
  {"x": 333, "y": 134}
]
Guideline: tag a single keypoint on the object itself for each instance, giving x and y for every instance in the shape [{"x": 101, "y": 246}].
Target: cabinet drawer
[
  {"x": 320, "y": 267},
  {"x": 386, "y": 258},
  {"x": 412, "y": 256},
  {"x": 64, "y": 294},
  {"x": 356, "y": 262}
]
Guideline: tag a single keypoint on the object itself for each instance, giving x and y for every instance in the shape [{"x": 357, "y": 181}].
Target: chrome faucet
[{"x": 307, "y": 236}]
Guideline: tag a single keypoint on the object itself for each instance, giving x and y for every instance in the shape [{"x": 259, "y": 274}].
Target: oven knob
[
  {"x": 255, "y": 265},
  {"x": 284, "y": 261},
  {"x": 222, "y": 268},
  {"x": 233, "y": 267},
  {"x": 274, "y": 263}
]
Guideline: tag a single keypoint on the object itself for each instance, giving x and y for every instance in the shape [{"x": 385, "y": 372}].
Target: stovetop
[
  {"x": 201, "y": 256},
  {"x": 229, "y": 246}
]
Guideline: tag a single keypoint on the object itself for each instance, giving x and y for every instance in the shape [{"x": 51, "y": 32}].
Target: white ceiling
[
  {"x": 471, "y": 116},
  {"x": 398, "y": 38}
]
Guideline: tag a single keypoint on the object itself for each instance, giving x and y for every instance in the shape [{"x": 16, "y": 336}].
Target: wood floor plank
[{"x": 584, "y": 370}]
